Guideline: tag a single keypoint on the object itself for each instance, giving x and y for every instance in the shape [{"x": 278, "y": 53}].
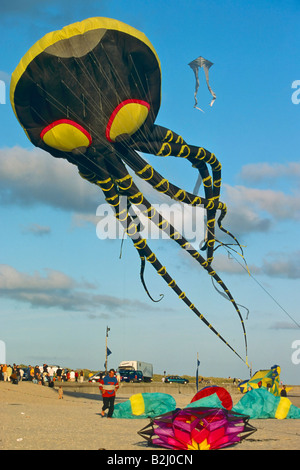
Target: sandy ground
[{"x": 33, "y": 418}]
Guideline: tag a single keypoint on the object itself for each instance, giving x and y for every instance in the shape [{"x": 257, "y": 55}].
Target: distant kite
[
  {"x": 205, "y": 64},
  {"x": 90, "y": 93}
]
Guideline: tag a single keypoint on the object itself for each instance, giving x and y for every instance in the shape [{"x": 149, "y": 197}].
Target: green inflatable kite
[
  {"x": 261, "y": 404},
  {"x": 145, "y": 405}
]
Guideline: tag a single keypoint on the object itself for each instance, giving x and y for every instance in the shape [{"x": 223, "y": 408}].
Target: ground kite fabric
[
  {"x": 197, "y": 429},
  {"x": 145, "y": 405},
  {"x": 213, "y": 394},
  {"x": 261, "y": 404},
  {"x": 267, "y": 378}
]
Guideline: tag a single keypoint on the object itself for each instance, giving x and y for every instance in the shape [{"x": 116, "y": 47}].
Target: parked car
[
  {"x": 96, "y": 377},
  {"x": 131, "y": 375},
  {"x": 176, "y": 380}
]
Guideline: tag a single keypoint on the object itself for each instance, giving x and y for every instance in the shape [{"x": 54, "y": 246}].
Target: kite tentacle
[
  {"x": 125, "y": 183},
  {"x": 109, "y": 187},
  {"x": 211, "y": 186},
  {"x": 164, "y": 142},
  {"x": 146, "y": 172},
  {"x": 200, "y": 158}
]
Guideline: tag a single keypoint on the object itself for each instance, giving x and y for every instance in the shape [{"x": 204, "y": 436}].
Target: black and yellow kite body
[{"x": 90, "y": 93}]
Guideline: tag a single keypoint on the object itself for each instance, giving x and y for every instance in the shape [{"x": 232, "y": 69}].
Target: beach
[{"x": 34, "y": 418}]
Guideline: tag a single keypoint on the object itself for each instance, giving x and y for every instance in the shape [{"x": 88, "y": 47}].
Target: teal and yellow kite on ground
[
  {"x": 145, "y": 405},
  {"x": 261, "y": 404}
]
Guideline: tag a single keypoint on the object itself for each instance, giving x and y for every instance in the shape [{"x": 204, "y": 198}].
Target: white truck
[{"x": 145, "y": 367}]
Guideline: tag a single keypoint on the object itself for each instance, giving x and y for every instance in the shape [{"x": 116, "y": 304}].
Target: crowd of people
[
  {"x": 10, "y": 373},
  {"x": 42, "y": 375}
]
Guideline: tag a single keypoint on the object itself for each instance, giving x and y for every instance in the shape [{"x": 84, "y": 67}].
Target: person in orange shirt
[{"x": 4, "y": 372}]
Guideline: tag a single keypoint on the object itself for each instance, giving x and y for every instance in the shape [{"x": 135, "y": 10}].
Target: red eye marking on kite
[{"x": 127, "y": 118}]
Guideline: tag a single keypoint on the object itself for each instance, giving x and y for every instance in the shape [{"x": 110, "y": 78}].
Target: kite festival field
[{"x": 34, "y": 418}]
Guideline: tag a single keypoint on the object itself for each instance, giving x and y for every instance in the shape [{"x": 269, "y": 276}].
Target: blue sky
[{"x": 60, "y": 285}]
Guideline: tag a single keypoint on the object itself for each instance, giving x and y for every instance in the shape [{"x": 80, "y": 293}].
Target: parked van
[{"x": 131, "y": 375}]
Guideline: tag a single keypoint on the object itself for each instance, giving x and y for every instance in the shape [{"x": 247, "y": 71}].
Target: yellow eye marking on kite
[{"x": 66, "y": 135}]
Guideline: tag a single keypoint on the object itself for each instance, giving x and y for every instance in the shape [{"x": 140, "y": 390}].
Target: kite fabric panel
[
  {"x": 197, "y": 429},
  {"x": 210, "y": 401},
  {"x": 269, "y": 379},
  {"x": 213, "y": 394},
  {"x": 90, "y": 93},
  {"x": 144, "y": 405},
  {"x": 200, "y": 62},
  {"x": 261, "y": 404}
]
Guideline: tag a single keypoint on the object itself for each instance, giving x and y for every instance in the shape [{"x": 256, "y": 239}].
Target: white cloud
[
  {"x": 276, "y": 265},
  {"x": 56, "y": 289},
  {"x": 13, "y": 280},
  {"x": 31, "y": 177},
  {"x": 38, "y": 230},
  {"x": 284, "y": 326},
  {"x": 257, "y": 172},
  {"x": 252, "y": 209},
  {"x": 276, "y": 204},
  {"x": 282, "y": 265},
  {"x": 232, "y": 265}
]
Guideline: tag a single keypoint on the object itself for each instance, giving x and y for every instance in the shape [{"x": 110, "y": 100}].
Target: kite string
[
  {"x": 263, "y": 288},
  {"x": 119, "y": 79}
]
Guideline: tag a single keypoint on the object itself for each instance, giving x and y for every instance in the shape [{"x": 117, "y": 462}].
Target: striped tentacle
[
  {"x": 108, "y": 186},
  {"x": 199, "y": 157},
  {"x": 212, "y": 186},
  {"x": 167, "y": 143},
  {"x": 138, "y": 199},
  {"x": 146, "y": 172}
]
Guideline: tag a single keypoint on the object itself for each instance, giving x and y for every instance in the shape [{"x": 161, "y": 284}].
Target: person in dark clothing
[
  {"x": 59, "y": 374},
  {"x": 283, "y": 392}
]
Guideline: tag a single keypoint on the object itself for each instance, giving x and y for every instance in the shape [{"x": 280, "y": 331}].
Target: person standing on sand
[
  {"x": 59, "y": 374},
  {"x": 108, "y": 387},
  {"x": 4, "y": 372},
  {"x": 283, "y": 391}
]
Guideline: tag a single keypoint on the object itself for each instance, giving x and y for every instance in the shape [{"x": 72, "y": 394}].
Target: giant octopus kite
[{"x": 90, "y": 93}]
